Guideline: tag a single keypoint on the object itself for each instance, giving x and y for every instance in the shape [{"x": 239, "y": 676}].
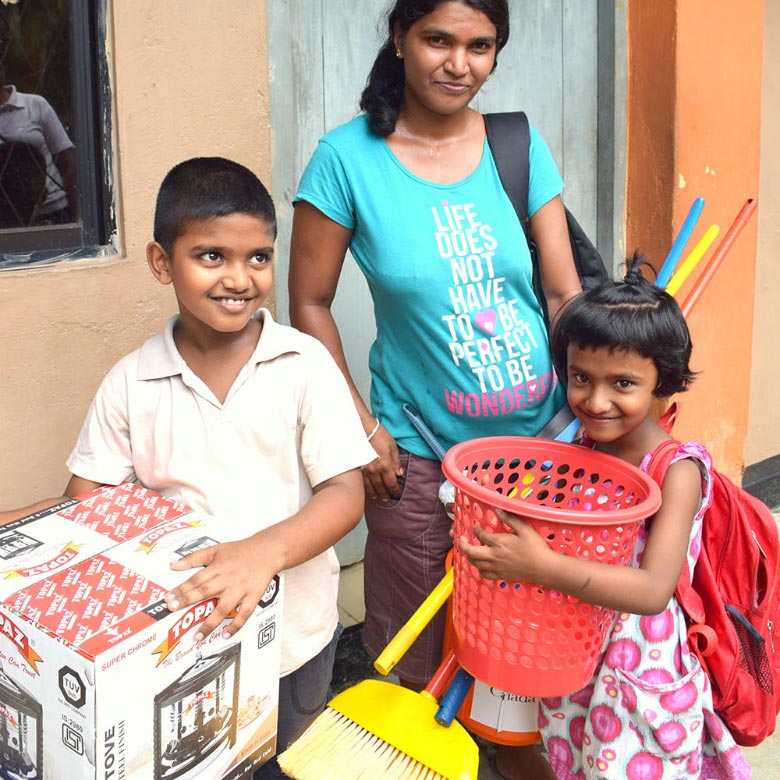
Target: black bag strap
[{"x": 509, "y": 138}]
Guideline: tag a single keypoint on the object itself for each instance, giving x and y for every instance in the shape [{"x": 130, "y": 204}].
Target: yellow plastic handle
[
  {"x": 690, "y": 262},
  {"x": 403, "y": 640}
]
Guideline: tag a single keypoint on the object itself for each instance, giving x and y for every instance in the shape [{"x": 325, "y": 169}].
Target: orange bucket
[{"x": 519, "y": 637}]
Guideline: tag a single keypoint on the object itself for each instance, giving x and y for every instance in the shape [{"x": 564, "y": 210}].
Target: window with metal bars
[{"x": 55, "y": 188}]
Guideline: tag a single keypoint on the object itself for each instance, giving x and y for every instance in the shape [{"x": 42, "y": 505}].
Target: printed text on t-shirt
[{"x": 485, "y": 328}]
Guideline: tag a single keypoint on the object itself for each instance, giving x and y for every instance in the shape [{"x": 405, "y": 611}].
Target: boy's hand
[
  {"x": 233, "y": 574},
  {"x": 518, "y": 556}
]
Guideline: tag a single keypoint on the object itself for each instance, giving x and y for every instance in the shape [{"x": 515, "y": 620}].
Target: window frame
[{"x": 91, "y": 134}]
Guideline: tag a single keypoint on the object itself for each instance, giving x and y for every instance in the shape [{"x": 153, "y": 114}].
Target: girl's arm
[
  {"x": 76, "y": 486},
  {"x": 9, "y": 515},
  {"x": 551, "y": 235},
  {"x": 317, "y": 249},
  {"x": 524, "y": 556}
]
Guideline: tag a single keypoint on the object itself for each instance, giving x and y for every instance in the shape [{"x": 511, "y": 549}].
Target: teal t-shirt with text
[{"x": 460, "y": 334}]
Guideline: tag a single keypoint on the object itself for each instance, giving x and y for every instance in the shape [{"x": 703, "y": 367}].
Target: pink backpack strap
[{"x": 689, "y": 599}]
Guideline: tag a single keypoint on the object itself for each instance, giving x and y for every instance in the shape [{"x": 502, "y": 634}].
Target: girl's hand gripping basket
[{"x": 518, "y": 636}]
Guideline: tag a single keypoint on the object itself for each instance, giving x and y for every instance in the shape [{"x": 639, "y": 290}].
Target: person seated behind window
[
  {"x": 30, "y": 119},
  {"x": 22, "y": 183}
]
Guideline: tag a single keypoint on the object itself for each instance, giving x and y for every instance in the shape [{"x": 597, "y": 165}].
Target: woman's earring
[{"x": 399, "y": 53}]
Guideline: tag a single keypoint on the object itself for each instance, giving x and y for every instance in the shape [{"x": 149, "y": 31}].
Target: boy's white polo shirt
[{"x": 287, "y": 423}]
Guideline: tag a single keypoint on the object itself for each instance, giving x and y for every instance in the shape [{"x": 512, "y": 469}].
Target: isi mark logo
[{"x": 267, "y": 630}]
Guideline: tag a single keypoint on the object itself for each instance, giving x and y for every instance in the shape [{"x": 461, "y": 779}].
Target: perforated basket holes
[
  {"x": 613, "y": 544},
  {"x": 550, "y": 483},
  {"x": 525, "y": 627},
  {"x": 470, "y": 513},
  {"x": 515, "y": 633}
]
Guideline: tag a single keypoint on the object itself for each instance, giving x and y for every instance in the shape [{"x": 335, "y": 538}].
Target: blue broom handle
[
  {"x": 451, "y": 701},
  {"x": 428, "y": 436}
]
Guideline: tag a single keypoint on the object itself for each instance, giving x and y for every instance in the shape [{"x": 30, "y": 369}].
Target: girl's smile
[{"x": 610, "y": 391}]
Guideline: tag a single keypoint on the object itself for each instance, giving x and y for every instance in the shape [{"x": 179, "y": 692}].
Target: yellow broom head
[{"x": 379, "y": 730}]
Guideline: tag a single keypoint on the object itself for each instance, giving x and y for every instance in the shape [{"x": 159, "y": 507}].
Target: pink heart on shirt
[{"x": 486, "y": 320}]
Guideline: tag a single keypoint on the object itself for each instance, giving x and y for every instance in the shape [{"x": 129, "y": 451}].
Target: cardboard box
[
  {"x": 74, "y": 530},
  {"x": 98, "y": 679}
]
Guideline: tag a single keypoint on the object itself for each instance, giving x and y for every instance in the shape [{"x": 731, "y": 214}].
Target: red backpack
[{"x": 733, "y": 604}]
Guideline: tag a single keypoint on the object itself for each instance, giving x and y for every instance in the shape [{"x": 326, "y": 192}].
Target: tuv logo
[
  {"x": 271, "y": 592},
  {"x": 72, "y": 687}
]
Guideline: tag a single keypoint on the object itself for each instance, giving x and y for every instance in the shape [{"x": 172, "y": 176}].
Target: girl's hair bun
[
  {"x": 634, "y": 264},
  {"x": 632, "y": 314}
]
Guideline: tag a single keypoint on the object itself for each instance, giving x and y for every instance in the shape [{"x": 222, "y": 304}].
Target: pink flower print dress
[{"x": 647, "y": 712}]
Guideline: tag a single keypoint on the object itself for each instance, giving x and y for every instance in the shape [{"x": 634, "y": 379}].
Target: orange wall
[
  {"x": 764, "y": 435},
  {"x": 694, "y": 131},
  {"x": 650, "y": 134}
]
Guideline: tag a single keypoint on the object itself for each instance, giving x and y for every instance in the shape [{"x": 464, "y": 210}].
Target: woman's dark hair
[
  {"x": 632, "y": 315},
  {"x": 203, "y": 188},
  {"x": 381, "y": 98}
]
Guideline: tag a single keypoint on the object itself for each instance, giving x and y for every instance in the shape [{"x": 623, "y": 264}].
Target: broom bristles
[{"x": 336, "y": 748}]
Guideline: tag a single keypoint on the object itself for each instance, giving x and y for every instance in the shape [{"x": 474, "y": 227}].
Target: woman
[{"x": 411, "y": 189}]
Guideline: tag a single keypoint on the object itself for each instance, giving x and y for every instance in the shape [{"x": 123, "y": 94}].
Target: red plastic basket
[{"x": 517, "y": 636}]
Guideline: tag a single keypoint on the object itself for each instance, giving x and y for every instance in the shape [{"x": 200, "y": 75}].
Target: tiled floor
[
  {"x": 352, "y": 610},
  {"x": 764, "y": 759}
]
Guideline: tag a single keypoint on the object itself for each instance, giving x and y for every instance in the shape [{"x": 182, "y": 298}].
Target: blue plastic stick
[
  {"x": 667, "y": 269},
  {"x": 427, "y": 435},
  {"x": 451, "y": 701}
]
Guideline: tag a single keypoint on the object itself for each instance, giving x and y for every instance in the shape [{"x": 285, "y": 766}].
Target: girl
[{"x": 647, "y": 712}]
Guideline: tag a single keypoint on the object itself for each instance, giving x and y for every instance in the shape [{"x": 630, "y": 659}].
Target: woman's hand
[
  {"x": 380, "y": 477},
  {"x": 517, "y": 556}
]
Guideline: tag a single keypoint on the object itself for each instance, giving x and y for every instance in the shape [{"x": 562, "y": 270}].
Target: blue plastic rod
[
  {"x": 451, "y": 701},
  {"x": 667, "y": 269}
]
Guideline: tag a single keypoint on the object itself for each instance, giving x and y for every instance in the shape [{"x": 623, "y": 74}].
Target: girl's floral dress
[{"x": 647, "y": 712}]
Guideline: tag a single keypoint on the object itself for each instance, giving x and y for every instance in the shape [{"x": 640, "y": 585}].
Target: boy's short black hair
[
  {"x": 632, "y": 315},
  {"x": 203, "y": 188}
]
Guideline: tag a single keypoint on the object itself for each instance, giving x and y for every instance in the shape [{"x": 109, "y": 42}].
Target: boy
[{"x": 240, "y": 418}]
